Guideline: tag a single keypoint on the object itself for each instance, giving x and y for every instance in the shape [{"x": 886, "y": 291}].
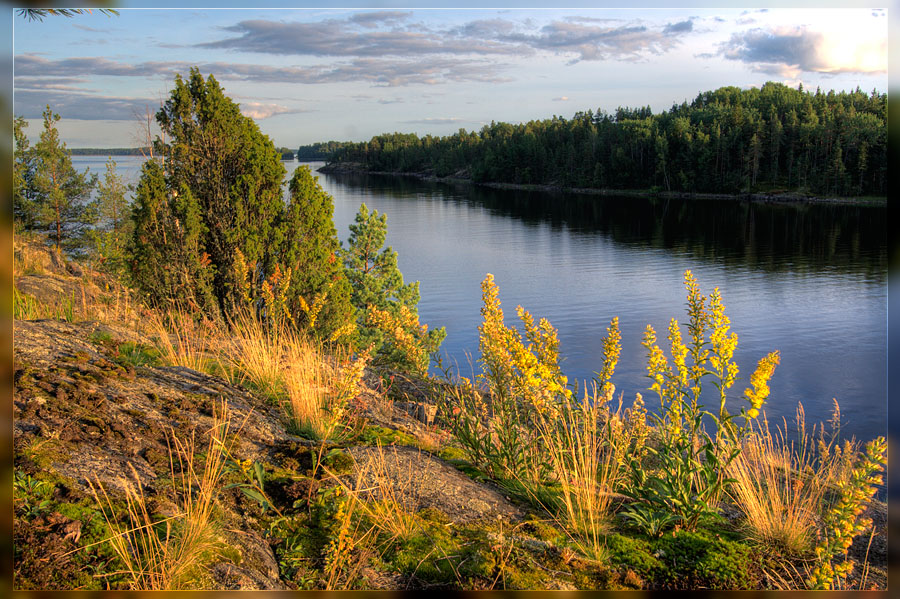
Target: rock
[{"x": 421, "y": 480}]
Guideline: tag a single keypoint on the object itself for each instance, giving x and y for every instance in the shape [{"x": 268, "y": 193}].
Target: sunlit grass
[
  {"x": 167, "y": 554},
  {"x": 781, "y": 486}
]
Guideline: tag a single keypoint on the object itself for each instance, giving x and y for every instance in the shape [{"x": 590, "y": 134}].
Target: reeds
[{"x": 165, "y": 554}]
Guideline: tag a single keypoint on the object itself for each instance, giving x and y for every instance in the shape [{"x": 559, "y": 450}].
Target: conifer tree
[
  {"x": 168, "y": 261},
  {"x": 218, "y": 194},
  {"x": 319, "y": 293},
  {"x": 378, "y": 289},
  {"x": 114, "y": 225},
  {"x": 24, "y": 209},
  {"x": 61, "y": 194},
  {"x": 233, "y": 171}
]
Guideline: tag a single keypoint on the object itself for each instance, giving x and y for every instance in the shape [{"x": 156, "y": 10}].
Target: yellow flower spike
[{"x": 759, "y": 381}]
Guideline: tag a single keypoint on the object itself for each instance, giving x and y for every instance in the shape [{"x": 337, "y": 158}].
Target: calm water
[{"x": 810, "y": 281}]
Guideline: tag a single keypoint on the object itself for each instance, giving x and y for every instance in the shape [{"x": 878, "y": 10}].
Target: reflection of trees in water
[{"x": 771, "y": 237}]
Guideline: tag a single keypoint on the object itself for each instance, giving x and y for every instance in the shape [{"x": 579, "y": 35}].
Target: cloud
[
  {"x": 32, "y": 65},
  {"x": 592, "y": 42},
  {"x": 342, "y": 38},
  {"x": 59, "y": 83},
  {"x": 428, "y": 70},
  {"x": 73, "y": 105},
  {"x": 680, "y": 27},
  {"x": 259, "y": 110},
  {"x": 589, "y": 38},
  {"x": 372, "y": 19},
  {"x": 788, "y": 51}
]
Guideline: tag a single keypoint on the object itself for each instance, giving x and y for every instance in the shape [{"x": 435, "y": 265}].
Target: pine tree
[
  {"x": 114, "y": 225},
  {"x": 378, "y": 291},
  {"x": 61, "y": 194}
]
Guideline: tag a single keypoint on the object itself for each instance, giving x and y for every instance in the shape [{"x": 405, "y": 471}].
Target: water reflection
[{"x": 808, "y": 238}]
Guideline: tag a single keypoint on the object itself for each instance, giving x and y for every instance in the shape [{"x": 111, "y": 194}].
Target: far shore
[{"x": 771, "y": 197}]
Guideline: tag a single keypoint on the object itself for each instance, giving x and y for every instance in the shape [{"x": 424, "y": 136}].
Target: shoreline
[{"x": 767, "y": 198}]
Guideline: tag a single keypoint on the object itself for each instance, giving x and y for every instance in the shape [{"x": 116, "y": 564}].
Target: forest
[{"x": 769, "y": 139}]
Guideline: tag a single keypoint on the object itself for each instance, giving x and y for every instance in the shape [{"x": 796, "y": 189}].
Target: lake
[{"x": 808, "y": 280}]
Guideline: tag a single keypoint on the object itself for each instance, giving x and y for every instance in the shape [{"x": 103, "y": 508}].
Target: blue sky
[{"x": 308, "y": 75}]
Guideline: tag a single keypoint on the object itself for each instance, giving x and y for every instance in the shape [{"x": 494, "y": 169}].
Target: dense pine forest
[{"x": 774, "y": 138}]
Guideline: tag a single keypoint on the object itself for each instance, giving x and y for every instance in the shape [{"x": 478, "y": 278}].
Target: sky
[{"x": 316, "y": 74}]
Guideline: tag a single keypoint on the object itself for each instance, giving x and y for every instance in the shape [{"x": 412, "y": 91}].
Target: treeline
[
  {"x": 321, "y": 150},
  {"x": 110, "y": 151},
  {"x": 728, "y": 140},
  {"x": 208, "y": 229}
]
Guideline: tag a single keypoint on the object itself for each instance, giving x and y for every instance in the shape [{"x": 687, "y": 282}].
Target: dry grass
[
  {"x": 587, "y": 467},
  {"x": 256, "y": 353},
  {"x": 385, "y": 493},
  {"x": 781, "y": 486},
  {"x": 317, "y": 390},
  {"x": 184, "y": 342},
  {"x": 166, "y": 554}
]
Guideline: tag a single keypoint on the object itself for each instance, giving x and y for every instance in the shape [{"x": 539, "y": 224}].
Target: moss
[
  {"x": 634, "y": 554},
  {"x": 86, "y": 563},
  {"x": 452, "y": 454},
  {"x": 375, "y": 435},
  {"x": 44, "y": 453},
  {"x": 542, "y": 530},
  {"x": 700, "y": 559},
  {"x": 431, "y": 514},
  {"x": 338, "y": 461}
]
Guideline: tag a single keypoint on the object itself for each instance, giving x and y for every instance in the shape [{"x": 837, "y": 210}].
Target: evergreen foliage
[
  {"x": 24, "y": 208},
  {"x": 378, "y": 291},
  {"x": 235, "y": 174},
  {"x": 114, "y": 226},
  {"x": 725, "y": 141},
  {"x": 59, "y": 202},
  {"x": 312, "y": 252},
  {"x": 167, "y": 258},
  {"x": 212, "y": 228}
]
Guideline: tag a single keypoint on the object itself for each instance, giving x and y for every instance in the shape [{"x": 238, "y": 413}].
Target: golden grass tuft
[
  {"x": 256, "y": 353},
  {"x": 584, "y": 445},
  {"x": 781, "y": 486},
  {"x": 167, "y": 554},
  {"x": 385, "y": 494},
  {"x": 182, "y": 341}
]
